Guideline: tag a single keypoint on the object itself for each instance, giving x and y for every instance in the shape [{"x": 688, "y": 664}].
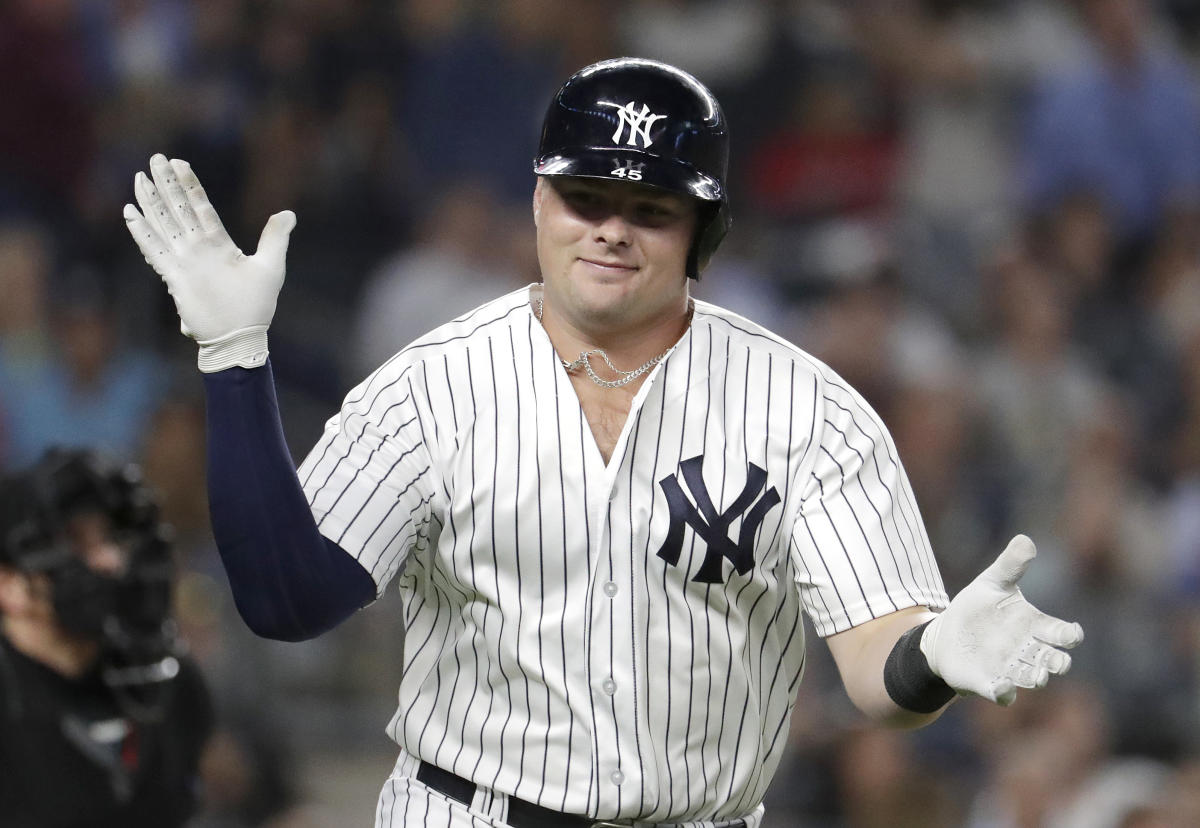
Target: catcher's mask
[
  {"x": 638, "y": 120},
  {"x": 128, "y": 611}
]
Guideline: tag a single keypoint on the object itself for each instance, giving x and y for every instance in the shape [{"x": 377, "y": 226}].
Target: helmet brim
[{"x": 635, "y": 167}]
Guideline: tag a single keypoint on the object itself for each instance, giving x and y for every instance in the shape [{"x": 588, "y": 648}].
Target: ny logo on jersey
[
  {"x": 711, "y": 526},
  {"x": 639, "y": 123}
]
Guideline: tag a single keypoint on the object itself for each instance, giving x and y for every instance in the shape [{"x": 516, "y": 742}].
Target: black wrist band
[{"x": 908, "y": 679}]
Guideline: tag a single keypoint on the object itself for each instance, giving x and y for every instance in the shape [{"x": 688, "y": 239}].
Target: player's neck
[
  {"x": 65, "y": 654},
  {"x": 628, "y": 346}
]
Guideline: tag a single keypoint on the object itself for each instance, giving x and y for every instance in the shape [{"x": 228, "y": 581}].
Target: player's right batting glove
[
  {"x": 225, "y": 299},
  {"x": 989, "y": 641}
]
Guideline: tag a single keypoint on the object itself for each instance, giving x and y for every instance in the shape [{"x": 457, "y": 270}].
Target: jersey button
[
  {"x": 610, "y": 588},
  {"x": 617, "y": 777},
  {"x": 609, "y": 686}
]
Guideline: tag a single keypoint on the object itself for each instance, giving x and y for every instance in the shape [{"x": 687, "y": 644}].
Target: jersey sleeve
[
  {"x": 859, "y": 545},
  {"x": 368, "y": 479}
]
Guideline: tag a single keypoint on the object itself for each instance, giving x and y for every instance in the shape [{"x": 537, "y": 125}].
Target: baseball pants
[{"x": 406, "y": 802}]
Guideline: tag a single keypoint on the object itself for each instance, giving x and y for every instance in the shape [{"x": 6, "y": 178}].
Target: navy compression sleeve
[{"x": 289, "y": 582}]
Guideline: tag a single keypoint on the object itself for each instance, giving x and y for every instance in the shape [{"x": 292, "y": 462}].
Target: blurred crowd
[{"x": 985, "y": 214}]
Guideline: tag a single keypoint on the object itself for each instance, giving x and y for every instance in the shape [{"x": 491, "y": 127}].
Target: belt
[{"x": 521, "y": 814}]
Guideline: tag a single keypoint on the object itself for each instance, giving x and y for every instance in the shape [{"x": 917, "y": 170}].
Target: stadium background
[{"x": 984, "y": 213}]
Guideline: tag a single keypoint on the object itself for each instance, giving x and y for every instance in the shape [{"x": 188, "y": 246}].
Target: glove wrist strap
[
  {"x": 246, "y": 348},
  {"x": 909, "y": 681}
]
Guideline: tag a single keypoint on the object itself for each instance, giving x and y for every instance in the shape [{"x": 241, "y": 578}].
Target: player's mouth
[{"x": 612, "y": 268}]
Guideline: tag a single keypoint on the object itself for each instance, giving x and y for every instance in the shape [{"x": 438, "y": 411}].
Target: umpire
[
  {"x": 102, "y": 719},
  {"x": 606, "y": 504}
]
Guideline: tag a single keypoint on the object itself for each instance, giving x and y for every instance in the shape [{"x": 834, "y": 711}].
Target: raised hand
[
  {"x": 989, "y": 641},
  {"x": 225, "y": 299}
]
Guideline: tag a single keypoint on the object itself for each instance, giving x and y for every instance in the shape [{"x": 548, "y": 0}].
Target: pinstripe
[
  {"x": 440, "y": 466},
  {"x": 541, "y": 550},
  {"x": 612, "y": 656},
  {"x": 842, "y": 496},
  {"x": 918, "y": 538},
  {"x": 454, "y": 536},
  {"x": 837, "y": 590},
  {"x": 928, "y": 566},
  {"x": 562, "y": 624},
  {"x": 366, "y": 422},
  {"x": 646, "y": 557},
  {"x": 475, "y": 662},
  {"x": 516, "y": 533},
  {"x": 594, "y": 774},
  {"x": 495, "y": 463},
  {"x": 633, "y": 639},
  {"x": 708, "y": 616},
  {"x": 866, "y": 498},
  {"x": 729, "y": 672}
]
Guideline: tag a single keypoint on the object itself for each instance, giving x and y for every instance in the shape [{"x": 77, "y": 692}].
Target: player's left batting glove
[
  {"x": 225, "y": 299},
  {"x": 989, "y": 641}
]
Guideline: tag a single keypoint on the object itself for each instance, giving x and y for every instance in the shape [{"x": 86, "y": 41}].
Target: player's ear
[{"x": 537, "y": 200}]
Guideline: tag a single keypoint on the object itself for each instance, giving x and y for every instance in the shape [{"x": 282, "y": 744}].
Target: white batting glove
[
  {"x": 989, "y": 641},
  {"x": 225, "y": 299}
]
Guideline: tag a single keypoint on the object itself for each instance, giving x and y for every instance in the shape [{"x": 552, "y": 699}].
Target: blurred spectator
[
  {"x": 472, "y": 99},
  {"x": 465, "y": 257},
  {"x": 834, "y": 155},
  {"x": 46, "y": 132},
  {"x": 26, "y": 260},
  {"x": 884, "y": 784},
  {"x": 96, "y": 389},
  {"x": 958, "y": 70},
  {"x": 1109, "y": 308},
  {"x": 248, "y": 777},
  {"x": 1183, "y": 497},
  {"x": 1121, "y": 124},
  {"x": 1036, "y": 390},
  {"x": 723, "y": 44}
]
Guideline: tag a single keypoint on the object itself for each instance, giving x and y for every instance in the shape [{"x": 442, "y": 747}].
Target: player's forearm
[
  {"x": 288, "y": 581},
  {"x": 862, "y": 653}
]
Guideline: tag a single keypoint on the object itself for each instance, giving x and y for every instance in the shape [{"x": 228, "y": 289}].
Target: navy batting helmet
[{"x": 643, "y": 121}]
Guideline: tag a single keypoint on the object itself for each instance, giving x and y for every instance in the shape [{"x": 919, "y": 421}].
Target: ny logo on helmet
[
  {"x": 639, "y": 123},
  {"x": 711, "y": 526}
]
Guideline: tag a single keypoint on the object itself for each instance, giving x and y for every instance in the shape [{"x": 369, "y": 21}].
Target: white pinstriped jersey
[{"x": 620, "y": 640}]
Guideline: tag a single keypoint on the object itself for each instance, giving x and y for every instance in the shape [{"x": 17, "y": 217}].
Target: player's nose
[
  {"x": 613, "y": 230},
  {"x": 106, "y": 557}
]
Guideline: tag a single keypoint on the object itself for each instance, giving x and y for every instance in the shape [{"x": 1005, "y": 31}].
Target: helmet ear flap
[{"x": 713, "y": 223}]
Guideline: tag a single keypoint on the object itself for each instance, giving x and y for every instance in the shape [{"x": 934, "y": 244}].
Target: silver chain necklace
[{"x": 584, "y": 362}]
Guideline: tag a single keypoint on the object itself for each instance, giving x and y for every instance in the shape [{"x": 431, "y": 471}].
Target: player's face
[
  {"x": 96, "y": 544},
  {"x": 613, "y": 254},
  {"x": 93, "y": 541}
]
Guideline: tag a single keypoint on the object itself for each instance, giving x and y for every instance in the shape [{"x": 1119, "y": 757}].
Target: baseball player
[
  {"x": 606, "y": 504},
  {"x": 102, "y": 717}
]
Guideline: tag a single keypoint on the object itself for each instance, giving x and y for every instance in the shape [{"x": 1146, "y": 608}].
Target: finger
[
  {"x": 1056, "y": 662},
  {"x": 155, "y": 209},
  {"x": 273, "y": 243},
  {"x": 1041, "y": 657},
  {"x": 1004, "y": 692},
  {"x": 178, "y": 201},
  {"x": 169, "y": 196},
  {"x": 206, "y": 214},
  {"x": 145, "y": 235},
  {"x": 1056, "y": 632},
  {"x": 1030, "y": 676},
  {"x": 167, "y": 182},
  {"x": 147, "y": 199},
  {"x": 1011, "y": 564}
]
